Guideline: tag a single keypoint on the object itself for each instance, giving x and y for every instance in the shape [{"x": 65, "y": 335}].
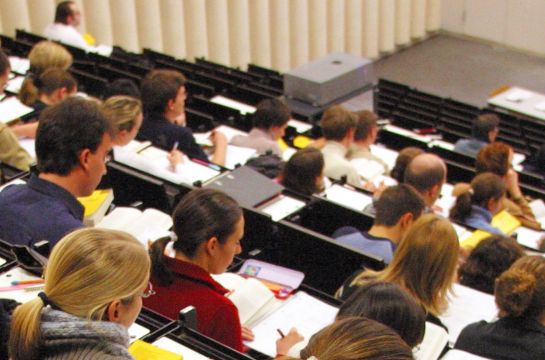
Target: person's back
[
  {"x": 71, "y": 146},
  {"x": 484, "y": 131}
]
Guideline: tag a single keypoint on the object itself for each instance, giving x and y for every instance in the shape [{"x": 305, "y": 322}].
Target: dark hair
[
  {"x": 336, "y": 121},
  {"x": 302, "y": 169},
  {"x": 520, "y": 291},
  {"x": 356, "y": 338},
  {"x": 63, "y": 11},
  {"x": 4, "y": 63},
  {"x": 367, "y": 120},
  {"x": 390, "y": 305},
  {"x": 395, "y": 202},
  {"x": 271, "y": 112},
  {"x": 65, "y": 129},
  {"x": 484, "y": 187},
  {"x": 483, "y": 124},
  {"x": 424, "y": 174},
  {"x": 493, "y": 158},
  {"x": 491, "y": 257},
  {"x": 199, "y": 216},
  {"x": 121, "y": 86},
  {"x": 158, "y": 88},
  {"x": 53, "y": 79},
  {"x": 403, "y": 159}
]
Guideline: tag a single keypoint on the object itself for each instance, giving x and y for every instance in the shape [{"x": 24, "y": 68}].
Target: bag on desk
[
  {"x": 267, "y": 164},
  {"x": 29, "y": 259}
]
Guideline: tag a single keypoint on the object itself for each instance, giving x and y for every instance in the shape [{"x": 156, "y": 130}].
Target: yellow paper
[
  {"x": 94, "y": 201},
  {"x": 506, "y": 222},
  {"x": 282, "y": 144},
  {"x": 475, "y": 238},
  {"x": 142, "y": 350},
  {"x": 301, "y": 141}
]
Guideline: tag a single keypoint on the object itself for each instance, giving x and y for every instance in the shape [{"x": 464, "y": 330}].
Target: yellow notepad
[
  {"x": 96, "y": 205},
  {"x": 504, "y": 221},
  {"x": 142, "y": 350}
]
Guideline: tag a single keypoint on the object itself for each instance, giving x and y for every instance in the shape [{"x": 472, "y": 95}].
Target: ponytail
[
  {"x": 159, "y": 268},
  {"x": 462, "y": 208},
  {"x": 25, "y": 330},
  {"x": 29, "y": 91}
]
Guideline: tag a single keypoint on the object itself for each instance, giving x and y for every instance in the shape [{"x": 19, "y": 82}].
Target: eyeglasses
[{"x": 149, "y": 291}]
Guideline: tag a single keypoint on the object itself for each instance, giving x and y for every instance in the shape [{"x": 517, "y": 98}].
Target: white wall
[
  {"x": 516, "y": 23},
  {"x": 280, "y": 34}
]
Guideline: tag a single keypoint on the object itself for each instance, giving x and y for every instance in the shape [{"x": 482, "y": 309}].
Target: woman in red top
[{"x": 209, "y": 226}]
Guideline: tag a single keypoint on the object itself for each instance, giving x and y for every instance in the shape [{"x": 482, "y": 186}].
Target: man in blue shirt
[
  {"x": 396, "y": 209},
  {"x": 484, "y": 131},
  {"x": 72, "y": 145}
]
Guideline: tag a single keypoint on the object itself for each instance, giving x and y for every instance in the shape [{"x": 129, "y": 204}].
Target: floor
[{"x": 465, "y": 70}]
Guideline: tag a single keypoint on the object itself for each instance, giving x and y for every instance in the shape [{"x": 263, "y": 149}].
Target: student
[
  {"x": 72, "y": 146},
  {"x": 64, "y": 29},
  {"x": 11, "y": 151},
  {"x": 491, "y": 257},
  {"x": 390, "y": 305},
  {"x": 125, "y": 116},
  {"x": 430, "y": 241},
  {"x": 121, "y": 86},
  {"x": 54, "y": 85},
  {"x": 484, "y": 131},
  {"x": 43, "y": 56},
  {"x": 365, "y": 135},
  {"x": 479, "y": 203},
  {"x": 520, "y": 331},
  {"x": 396, "y": 210},
  {"x": 209, "y": 226},
  {"x": 426, "y": 173},
  {"x": 403, "y": 159},
  {"x": 355, "y": 338},
  {"x": 303, "y": 173},
  {"x": 95, "y": 280},
  {"x": 270, "y": 122},
  {"x": 338, "y": 126},
  {"x": 163, "y": 99}
]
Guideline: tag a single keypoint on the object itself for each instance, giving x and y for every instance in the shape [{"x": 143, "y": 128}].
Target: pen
[
  {"x": 281, "y": 333},
  {"x": 207, "y": 164},
  {"x": 28, "y": 282},
  {"x": 176, "y": 143}
]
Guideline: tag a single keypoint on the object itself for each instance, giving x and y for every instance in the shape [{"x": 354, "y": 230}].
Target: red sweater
[{"x": 217, "y": 317}]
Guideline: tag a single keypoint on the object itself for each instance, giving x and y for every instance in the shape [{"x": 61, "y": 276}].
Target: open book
[
  {"x": 435, "y": 339},
  {"x": 12, "y": 109},
  {"x": 347, "y": 197},
  {"x": 146, "y": 225}
]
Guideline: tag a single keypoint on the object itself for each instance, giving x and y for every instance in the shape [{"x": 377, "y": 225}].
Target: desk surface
[{"x": 522, "y": 101}]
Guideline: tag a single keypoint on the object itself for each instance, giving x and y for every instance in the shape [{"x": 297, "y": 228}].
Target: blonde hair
[
  {"x": 44, "y": 55},
  {"x": 520, "y": 291},
  {"x": 87, "y": 270},
  {"x": 424, "y": 262},
  {"x": 122, "y": 111},
  {"x": 356, "y": 338}
]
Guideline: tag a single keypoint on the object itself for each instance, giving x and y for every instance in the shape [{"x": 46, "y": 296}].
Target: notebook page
[
  {"x": 12, "y": 108},
  {"x": 171, "y": 345},
  {"x": 349, "y": 198}
]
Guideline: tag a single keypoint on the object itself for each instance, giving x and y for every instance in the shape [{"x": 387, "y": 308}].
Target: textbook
[
  {"x": 435, "y": 340},
  {"x": 142, "y": 350},
  {"x": 147, "y": 225},
  {"x": 96, "y": 205}
]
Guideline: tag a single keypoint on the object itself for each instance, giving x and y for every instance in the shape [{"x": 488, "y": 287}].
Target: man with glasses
[{"x": 72, "y": 145}]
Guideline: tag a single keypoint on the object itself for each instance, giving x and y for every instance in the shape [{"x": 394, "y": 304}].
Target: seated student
[
  {"x": 390, "y": 305},
  {"x": 424, "y": 264},
  {"x": 303, "y": 173},
  {"x": 209, "y": 226},
  {"x": 426, "y": 173},
  {"x": 270, "y": 121},
  {"x": 94, "y": 284},
  {"x": 497, "y": 158},
  {"x": 484, "y": 131},
  {"x": 338, "y": 126},
  {"x": 396, "y": 210},
  {"x": 355, "y": 338},
  {"x": 11, "y": 151},
  {"x": 125, "y": 116},
  {"x": 163, "y": 99},
  {"x": 121, "y": 86},
  {"x": 72, "y": 146},
  {"x": 491, "y": 257},
  {"x": 403, "y": 159},
  {"x": 479, "y": 203},
  {"x": 520, "y": 331},
  {"x": 365, "y": 136},
  {"x": 54, "y": 85}
]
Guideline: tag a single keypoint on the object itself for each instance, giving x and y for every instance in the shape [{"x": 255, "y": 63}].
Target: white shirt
[
  {"x": 336, "y": 165},
  {"x": 66, "y": 34}
]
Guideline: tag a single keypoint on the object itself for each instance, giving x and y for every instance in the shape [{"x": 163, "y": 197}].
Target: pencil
[
  {"x": 281, "y": 333},
  {"x": 28, "y": 282}
]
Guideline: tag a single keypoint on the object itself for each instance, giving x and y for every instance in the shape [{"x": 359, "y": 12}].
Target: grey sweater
[{"x": 64, "y": 336}]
